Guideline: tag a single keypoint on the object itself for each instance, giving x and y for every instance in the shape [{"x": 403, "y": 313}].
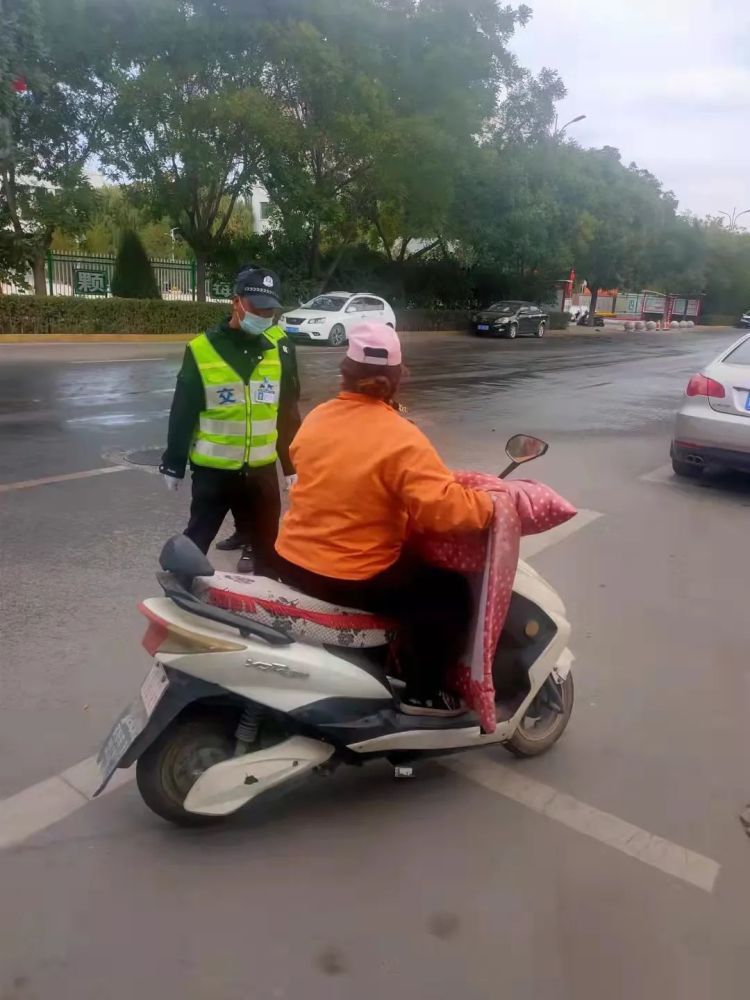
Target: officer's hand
[
  {"x": 289, "y": 481},
  {"x": 171, "y": 482}
]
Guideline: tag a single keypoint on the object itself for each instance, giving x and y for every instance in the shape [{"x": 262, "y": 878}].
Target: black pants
[
  {"x": 432, "y": 606},
  {"x": 254, "y": 498}
]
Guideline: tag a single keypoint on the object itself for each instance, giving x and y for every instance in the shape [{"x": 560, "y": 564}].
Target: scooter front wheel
[
  {"x": 545, "y": 719},
  {"x": 167, "y": 771}
]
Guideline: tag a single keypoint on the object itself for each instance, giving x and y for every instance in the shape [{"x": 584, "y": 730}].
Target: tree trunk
[
  {"x": 200, "y": 276},
  {"x": 38, "y": 261},
  {"x": 592, "y": 307},
  {"x": 331, "y": 269},
  {"x": 314, "y": 258}
]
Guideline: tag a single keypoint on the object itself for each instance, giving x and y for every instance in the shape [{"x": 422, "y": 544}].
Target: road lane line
[
  {"x": 112, "y": 361},
  {"x": 666, "y": 856},
  {"x": 27, "y": 484},
  {"x": 532, "y": 545},
  {"x": 663, "y": 474},
  {"x": 46, "y": 803}
]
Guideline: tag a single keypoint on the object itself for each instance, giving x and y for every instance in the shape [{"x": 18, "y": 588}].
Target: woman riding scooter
[{"x": 366, "y": 478}]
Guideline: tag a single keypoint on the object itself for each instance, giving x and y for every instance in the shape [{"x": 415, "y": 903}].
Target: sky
[{"x": 665, "y": 81}]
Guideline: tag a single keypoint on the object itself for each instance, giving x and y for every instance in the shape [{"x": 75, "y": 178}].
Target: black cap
[{"x": 262, "y": 287}]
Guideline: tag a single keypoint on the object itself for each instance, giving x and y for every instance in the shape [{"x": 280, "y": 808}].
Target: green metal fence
[{"x": 91, "y": 277}]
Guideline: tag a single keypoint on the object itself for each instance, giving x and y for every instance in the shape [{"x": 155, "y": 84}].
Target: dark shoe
[
  {"x": 247, "y": 561},
  {"x": 441, "y": 705},
  {"x": 230, "y": 544}
]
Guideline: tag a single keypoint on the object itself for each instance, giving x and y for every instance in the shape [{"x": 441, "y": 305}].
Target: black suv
[{"x": 510, "y": 319}]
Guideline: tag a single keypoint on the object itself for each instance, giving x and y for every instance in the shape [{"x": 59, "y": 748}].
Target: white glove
[
  {"x": 289, "y": 481},
  {"x": 171, "y": 482}
]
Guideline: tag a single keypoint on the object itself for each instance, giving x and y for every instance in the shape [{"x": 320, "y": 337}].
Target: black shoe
[
  {"x": 230, "y": 544},
  {"x": 441, "y": 705},
  {"x": 247, "y": 561}
]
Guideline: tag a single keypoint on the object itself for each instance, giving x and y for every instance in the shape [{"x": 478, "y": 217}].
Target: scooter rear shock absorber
[{"x": 247, "y": 729}]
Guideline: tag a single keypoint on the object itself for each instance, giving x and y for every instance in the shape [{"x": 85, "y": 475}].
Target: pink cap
[{"x": 374, "y": 344}]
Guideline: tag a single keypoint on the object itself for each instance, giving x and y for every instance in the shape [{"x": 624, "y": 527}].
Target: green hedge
[
  {"x": 717, "y": 319},
  {"x": 559, "y": 320},
  {"x": 432, "y": 319},
  {"x": 59, "y": 314}
]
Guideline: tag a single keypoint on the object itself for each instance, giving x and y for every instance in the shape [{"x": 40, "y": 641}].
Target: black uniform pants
[
  {"x": 254, "y": 498},
  {"x": 433, "y": 608}
]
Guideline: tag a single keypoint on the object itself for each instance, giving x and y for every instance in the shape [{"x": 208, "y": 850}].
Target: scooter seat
[{"x": 304, "y": 618}]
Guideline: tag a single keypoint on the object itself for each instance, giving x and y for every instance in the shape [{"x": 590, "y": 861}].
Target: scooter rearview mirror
[{"x": 523, "y": 448}]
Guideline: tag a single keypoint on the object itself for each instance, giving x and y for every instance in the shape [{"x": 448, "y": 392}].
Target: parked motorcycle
[{"x": 234, "y": 706}]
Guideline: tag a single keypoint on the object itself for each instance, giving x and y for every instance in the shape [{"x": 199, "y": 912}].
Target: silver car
[{"x": 713, "y": 423}]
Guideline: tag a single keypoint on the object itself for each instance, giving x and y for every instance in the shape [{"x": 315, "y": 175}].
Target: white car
[{"x": 328, "y": 318}]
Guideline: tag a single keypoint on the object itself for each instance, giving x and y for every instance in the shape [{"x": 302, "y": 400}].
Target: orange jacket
[{"x": 366, "y": 476}]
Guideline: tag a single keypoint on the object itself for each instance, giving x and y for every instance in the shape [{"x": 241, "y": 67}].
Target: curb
[{"x": 95, "y": 338}]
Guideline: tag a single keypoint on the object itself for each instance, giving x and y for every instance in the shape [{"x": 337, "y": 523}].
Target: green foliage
[
  {"x": 188, "y": 120},
  {"x": 423, "y": 320},
  {"x": 718, "y": 319},
  {"x": 404, "y": 149},
  {"x": 133, "y": 276},
  {"x": 21, "y": 314},
  {"x": 25, "y": 314},
  {"x": 54, "y": 127},
  {"x": 558, "y": 320}
]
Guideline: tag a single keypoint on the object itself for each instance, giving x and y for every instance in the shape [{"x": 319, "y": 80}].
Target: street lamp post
[
  {"x": 559, "y": 131},
  {"x": 733, "y": 216}
]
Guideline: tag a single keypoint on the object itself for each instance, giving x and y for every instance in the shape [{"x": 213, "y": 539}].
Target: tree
[
  {"x": 20, "y": 54},
  {"x": 378, "y": 105},
  {"x": 622, "y": 215},
  {"x": 133, "y": 276},
  {"x": 189, "y": 120},
  {"x": 727, "y": 268},
  {"x": 527, "y": 112},
  {"x": 55, "y": 124}
]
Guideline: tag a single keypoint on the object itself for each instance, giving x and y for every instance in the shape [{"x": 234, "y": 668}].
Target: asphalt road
[{"x": 449, "y": 885}]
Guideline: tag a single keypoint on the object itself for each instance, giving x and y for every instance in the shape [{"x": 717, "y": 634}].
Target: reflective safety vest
[{"x": 238, "y": 426}]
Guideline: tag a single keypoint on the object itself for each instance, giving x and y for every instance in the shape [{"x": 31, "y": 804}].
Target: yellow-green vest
[{"x": 238, "y": 426}]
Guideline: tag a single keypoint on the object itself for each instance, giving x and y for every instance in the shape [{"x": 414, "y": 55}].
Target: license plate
[
  {"x": 132, "y": 722},
  {"x": 482, "y": 326},
  {"x": 292, "y": 329}
]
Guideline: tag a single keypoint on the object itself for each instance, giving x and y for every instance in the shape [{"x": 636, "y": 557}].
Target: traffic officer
[{"x": 234, "y": 412}]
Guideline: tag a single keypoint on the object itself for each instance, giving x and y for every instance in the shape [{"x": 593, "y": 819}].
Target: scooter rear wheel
[
  {"x": 543, "y": 724},
  {"x": 167, "y": 771}
]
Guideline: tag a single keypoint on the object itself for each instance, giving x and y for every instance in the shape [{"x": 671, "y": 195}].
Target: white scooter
[{"x": 233, "y": 706}]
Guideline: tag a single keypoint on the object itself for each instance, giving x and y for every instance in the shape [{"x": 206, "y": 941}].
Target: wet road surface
[{"x": 356, "y": 886}]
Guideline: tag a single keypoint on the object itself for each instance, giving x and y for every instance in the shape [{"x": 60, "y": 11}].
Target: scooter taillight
[{"x": 167, "y": 637}]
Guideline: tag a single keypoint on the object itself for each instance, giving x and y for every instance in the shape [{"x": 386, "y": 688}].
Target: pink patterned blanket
[{"x": 522, "y": 507}]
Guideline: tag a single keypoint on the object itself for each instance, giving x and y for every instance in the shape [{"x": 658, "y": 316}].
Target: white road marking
[
  {"x": 41, "y": 805},
  {"x": 119, "y": 419},
  {"x": 46, "y": 803},
  {"x": 111, "y": 397},
  {"x": 668, "y": 857},
  {"x": 663, "y": 474},
  {"x": 28, "y": 484},
  {"x": 113, "y": 361},
  {"x": 532, "y": 545}
]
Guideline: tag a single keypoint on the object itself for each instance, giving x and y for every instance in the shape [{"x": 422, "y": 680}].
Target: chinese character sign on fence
[
  {"x": 220, "y": 290},
  {"x": 89, "y": 281}
]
